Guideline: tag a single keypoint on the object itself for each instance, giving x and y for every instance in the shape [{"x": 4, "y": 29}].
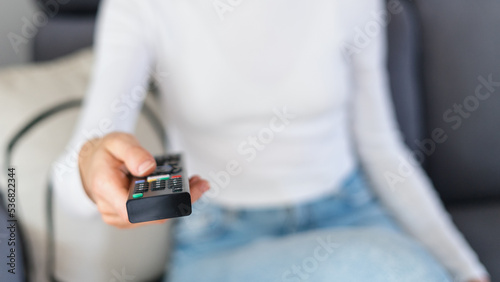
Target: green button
[
  {"x": 138, "y": 195},
  {"x": 164, "y": 178}
]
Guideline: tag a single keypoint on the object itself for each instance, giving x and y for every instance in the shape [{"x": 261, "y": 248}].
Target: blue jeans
[{"x": 347, "y": 236}]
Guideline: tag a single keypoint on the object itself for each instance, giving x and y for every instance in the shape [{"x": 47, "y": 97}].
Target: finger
[
  {"x": 127, "y": 149},
  {"x": 118, "y": 222},
  {"x": 154, "y": 222},
  {"x": 111, "y": 188},
  {"x": 198, "y": 186},
  {"x": 194, "y": 178}
]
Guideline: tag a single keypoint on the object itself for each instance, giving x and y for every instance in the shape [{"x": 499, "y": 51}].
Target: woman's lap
[
  {"x": 355, "y": 254},
  {"x": 346, "y": 237}
]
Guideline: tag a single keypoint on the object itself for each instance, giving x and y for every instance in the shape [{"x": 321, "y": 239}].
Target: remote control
[{"x": 162, "y": 194}]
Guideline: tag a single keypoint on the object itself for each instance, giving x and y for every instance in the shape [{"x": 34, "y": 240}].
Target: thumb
[{"x": 126, "y": 148}]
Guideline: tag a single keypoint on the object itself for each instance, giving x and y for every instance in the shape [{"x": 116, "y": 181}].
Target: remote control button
[
  {"x": 173, "y": 158},
  {"x": 158, "y": 177},
  {"x": 158, "y": 185},
  {"x": 141, "y": 186},
  {"x": 176, "y": 169},
  {"x": 164, "y": 168},
  {"x": 161, "y": 160},
  {"x": 137, "y": 195}
]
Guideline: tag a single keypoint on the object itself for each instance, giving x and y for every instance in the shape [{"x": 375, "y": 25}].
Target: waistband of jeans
[{"x": 355, "y": 175}]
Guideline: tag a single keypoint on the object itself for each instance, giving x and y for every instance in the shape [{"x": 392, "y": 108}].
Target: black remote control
[{"x": 162, "y": 194}]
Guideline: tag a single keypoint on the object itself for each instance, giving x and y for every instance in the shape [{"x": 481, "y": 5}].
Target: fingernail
[{"x": 145, "y": 166}]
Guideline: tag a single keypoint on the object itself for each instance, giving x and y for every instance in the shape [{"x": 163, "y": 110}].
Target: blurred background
[
  {"x": 45, "y": 64},
  {"x": 440, "y": 53},
  {"x": 11, "y": 13}
]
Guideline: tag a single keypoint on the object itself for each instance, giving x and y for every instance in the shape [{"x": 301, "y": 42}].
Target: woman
[{"x": 283, "y": 106}]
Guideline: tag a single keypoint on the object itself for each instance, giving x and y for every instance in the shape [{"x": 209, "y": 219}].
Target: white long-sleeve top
[{"x": 274, "y": 102}]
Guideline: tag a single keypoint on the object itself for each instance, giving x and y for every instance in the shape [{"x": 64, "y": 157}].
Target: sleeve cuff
[{"x": 68, "y": 189}]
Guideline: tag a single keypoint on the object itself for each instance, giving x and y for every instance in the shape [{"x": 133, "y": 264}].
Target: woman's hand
[{"x": 105, "y": 166}]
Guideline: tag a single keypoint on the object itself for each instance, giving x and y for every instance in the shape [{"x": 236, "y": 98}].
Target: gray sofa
[{"x": 440, "y": 54}]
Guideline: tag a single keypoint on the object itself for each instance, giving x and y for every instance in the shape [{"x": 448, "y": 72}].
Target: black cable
[
  {"x": 45, "y": 114},
  {"x": 7, "y": 162}
]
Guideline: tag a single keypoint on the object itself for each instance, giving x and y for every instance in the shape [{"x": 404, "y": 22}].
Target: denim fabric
[{"x": 347, "y": 236}]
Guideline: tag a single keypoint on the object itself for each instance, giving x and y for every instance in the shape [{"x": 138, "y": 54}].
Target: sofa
[
  {"x": 443, "y": 62},
  {"x": 84, "y": 249},
  {"x": 440, "y": 54}
]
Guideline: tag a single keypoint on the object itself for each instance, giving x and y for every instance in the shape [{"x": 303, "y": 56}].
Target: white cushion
[{"x": 86, "y": 250}]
